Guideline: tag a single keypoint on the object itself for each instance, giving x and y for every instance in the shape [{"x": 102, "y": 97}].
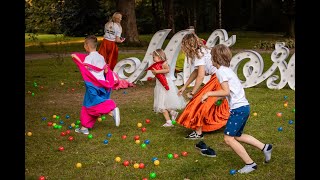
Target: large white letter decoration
[{"x": 252, "y": 70}]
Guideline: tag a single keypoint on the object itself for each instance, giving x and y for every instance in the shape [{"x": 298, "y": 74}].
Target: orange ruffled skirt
[
  {"x": 109, "y": 50},
  {"x": 207, "y": 114}
]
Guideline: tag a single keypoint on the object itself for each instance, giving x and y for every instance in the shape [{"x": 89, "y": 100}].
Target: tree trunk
[
  {"x": 291, "y": 29},
  {"x": 155, "y": 13},
  {"x": 129, "y": 24},
  {"x": 168, "y": 12}
]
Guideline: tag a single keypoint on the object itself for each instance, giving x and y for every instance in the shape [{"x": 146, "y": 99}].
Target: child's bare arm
[
  {"x": 224, "y": 91},
  {"x": 76, "y": 57}
]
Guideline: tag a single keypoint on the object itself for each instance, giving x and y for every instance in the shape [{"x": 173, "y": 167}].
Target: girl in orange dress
[
  {"x": 198, "y": 116},
  {"x": 109, "y": 48}
]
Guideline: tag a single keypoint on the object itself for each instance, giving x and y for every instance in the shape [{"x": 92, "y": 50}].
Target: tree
[
  {"x": 129, "y": 25},
  {"x": 289, "y": 9},
  {"x": 169, "y": 15}
]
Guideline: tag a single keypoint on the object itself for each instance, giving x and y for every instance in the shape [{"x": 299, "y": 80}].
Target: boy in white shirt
[{"x": 232, "y": 89}]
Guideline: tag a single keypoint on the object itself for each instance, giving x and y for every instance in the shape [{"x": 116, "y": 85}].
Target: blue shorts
[{"x": 237, "y": 120}]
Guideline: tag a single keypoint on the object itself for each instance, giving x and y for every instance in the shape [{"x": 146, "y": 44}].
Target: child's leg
[
  {"x": 167, "y": 117},
  {"x": 238, "y": 148}
]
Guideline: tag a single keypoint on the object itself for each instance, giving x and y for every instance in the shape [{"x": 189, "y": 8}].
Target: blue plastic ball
[
  {"x": 285, "y": 97},
  {"x": 232, "y": 171},
  {"x": 154, "y": 158},
  {"x": 280, "y": 129},
  {"x": 146, "y": 141},
  {"x": 44, "y": 118},
  {"x": 105, "y": 141},
  {"x": 290, "y": 122},
  {"x": 61, "y": 122},
  {"x": 67, "y": 116},
  {"x": 109, "y": 134},
  {"x": 70, "y": 127}
]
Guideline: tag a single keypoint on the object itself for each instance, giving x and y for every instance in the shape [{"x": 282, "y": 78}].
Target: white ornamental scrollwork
[{"x": 252, "y": 70}]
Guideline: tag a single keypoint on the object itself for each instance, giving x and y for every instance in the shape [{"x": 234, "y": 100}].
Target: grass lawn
[{"x": 59, "y": 91}]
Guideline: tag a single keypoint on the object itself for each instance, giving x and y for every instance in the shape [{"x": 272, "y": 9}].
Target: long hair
[
  {"x": 160, "y": 53},
  {"x": 112, "y": 20},
  {"x": 221, "y": 55},
  {"x": 191, "y": 45}
]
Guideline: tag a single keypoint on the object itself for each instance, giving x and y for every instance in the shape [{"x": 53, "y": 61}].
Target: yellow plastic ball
[
  {"x": 62, "y": 83},
  {"x": 29, "y": 133},
  {"x": 54, "y": 116},
  {"x": 139, "y": 125},
  {"x": 117, "y": 159},
  {"x": 53, "y": 124},
  {"x": 73, "y": 124},
  {"x": 137, "y": 141},
  {"x": 285, "y": 105},
  {"x": 255, "y": 114},
  {"x": 136, "y": 165},
  {"x": 156, "y": 162},
  {"x": 99, "y": 119},
  {"x": 78, "y": 165}
]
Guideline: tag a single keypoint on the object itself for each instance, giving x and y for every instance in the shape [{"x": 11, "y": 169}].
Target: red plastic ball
[
  {"x": 126, "y": 163},
  {"x": 123, "y": 136},
  {"x": 136, "y": 137},
  {"x": 70, "y": 138},
  {"x": 49, "y": 123},
  {"x": 143, "y": 129},
  {"x": 147, "y": 121},
  {"x": 184, "y": 153},
  {"x": 42, "y": 178},
  {"x": 68, "y": 131},
  {"x": 141, "y": 165},
  {"x": 61, "y": 148},
  {"x": 62, "y": 133}
]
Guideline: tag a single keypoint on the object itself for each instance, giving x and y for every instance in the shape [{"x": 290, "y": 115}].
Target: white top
[
  {"x": 206, "y": 61},
  {"x": 237, "y": 96},
  {"x": 96, "y": 59},
  {"x": 111, "y": 30}
]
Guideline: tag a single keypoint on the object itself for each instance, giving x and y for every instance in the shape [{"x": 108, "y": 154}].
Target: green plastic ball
[
  {"x": 143, "y": 145},
  {"x": 103, "y": 117},
  {"x": 174, "y": 122},
  {"x": 294, "y": 110},
  {"x": 77, "y": 122},
  {"x": 218, "y": 103},
  {"x": 32, "y": 94},
  {"x": 170, "y": 156},
  {"x": 153, "y": 175},
  {"x": 76, "y": 126},
  {"x": 90, "y": 136},
  {"x": 57, "y": 117}
]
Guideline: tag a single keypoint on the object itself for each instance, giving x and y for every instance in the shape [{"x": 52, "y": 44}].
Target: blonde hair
[
  {"x": 91, "y": 41},
  {"x": 191, "y": 45},
  {"x": 160, "y": 53},
  {"x": 112, "y": 20},
  {"x": 221, "y": 55}
]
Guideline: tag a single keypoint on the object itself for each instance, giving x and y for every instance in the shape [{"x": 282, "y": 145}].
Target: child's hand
[
  {"x": 75, "y": 57},
  {"x": 122, "y": 39},
  {"x": 204, "y": 97},
  {"x": 154, "y": 71},
  {"x": 180, "y": 91}
]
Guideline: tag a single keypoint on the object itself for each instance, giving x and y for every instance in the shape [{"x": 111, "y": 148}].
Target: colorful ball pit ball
[
  {"x": 290, "y": 122},
  {"x": 49, "y": 124},
  {"x": 117, "y": 159},
  {"x": 78, "y": 122},
  {"x": 42, "y": 178},
  {"x": 70, "y": 138},
  {"x": 103, "y": 117},
  {"x": 78, "y": 165},
  {"x": 126, "y": 163},
  {"x": 174, "y": 122},
  {"x": 170, "y": 156},
  {"x": 141, "y": 166},
  {"x": 143, "y": 145},
  {"x": 29, "y": 133},
  {"x": 136, "y": 137},
  {"x": 147, "y": 141},
  {"x": 154, "y": 158},
  {"x": 67, "y": 116},
  {"x": 280, "y": 128},
  {"x": 136, "y": 165},
  {"x": 153, "y": 175},
  {"x": 61, "y": 148},
  {"x": 124, "y": 137},
  {"x": 105, "y": 141},
  {"x": 156, "y": 162},
  {"x": 147, "y": 121},
  {"x": 73, "y": 125},
  {"x": 44, "y": 118},
  {"x": 137, "y": 141},
  {"x": 139, "y": 125},
  {"x": 90, "y": 136},
  {"x": 232, "y": 171},
  {"x": 184, "y": 153},
  {"x": 68, "y": 131},
  {"x": 143, "y": 129},
  {"x": 109, "y": 135},
  {"x": 175, "y": 155}
]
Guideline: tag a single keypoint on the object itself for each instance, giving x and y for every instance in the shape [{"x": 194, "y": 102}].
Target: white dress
[{"x": 167, "y": 99}]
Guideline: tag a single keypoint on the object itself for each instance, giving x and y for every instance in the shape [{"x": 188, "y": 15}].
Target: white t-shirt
[
  {"x": 111, "y": 30},
  {"x": 96, "y": 59},
  {"x": 206, "y": 61},
  {"x": 237, "y": 96}
]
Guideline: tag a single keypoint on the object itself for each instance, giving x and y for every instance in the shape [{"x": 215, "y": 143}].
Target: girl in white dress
[{"x": 166, "y": 101}]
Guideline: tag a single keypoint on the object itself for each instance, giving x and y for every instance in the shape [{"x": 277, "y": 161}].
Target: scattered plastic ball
[
  {"x": 143, "y": 129},
  {"x": 279, "y": 114},
  {"x": 70, "y": 127},
  {"x": 103, "y": 117},
  {"x": 147, "y": 141},
  {"x": 67, "y": 116},
  {"x": 78, "y": 122},
  {"x": 117, "y": 159},
  {"x": 78, "y": 165},
  {"x": 59, "y": 126},
  {"x": 42, "y": 178},
  {"x": 136, "y": 165},
  {"x": 54, "y": 116},
  {"x": 44, "y": 118},
  {"x": 68, "y": 131},
  {"x": 61, "y": 148},
  {"x": 174, "y": 122},
  {"x": 70, "y": 138},
  {"x": 57, "y": 117},
  {"x": 175, "y": 155},
  {"x": 153, "y": 175},
  {"x": 294, "y": 110},
  {"x": 280, "y": 129},
  {"x": 156, "y": 162},
  {"x": 72, "y": 124},
  {"x": 76, "y": 126},
  {"x": 290, "y": 122},
  {"x": 49, "y": 124},
  {"x": 55, "y": 126},
  {"x": 35, "y": 84},
  {"x": 136, "y": 137},
  {"x": 105, "y": 141},
  {"x": 184, "y": 153},
  {"x": 32, "y": 94},
  {"x": 90, "y": 136},
  {"x": 99, "y": 119},
  {"x": 170, "y": 156},
  {"x": 62, "y": 83},
  {"x": 139, "y": 125},
  {"x": 147, "y": 121},
  {"x": 143, "y": 145},
  {"x": 255, "y": 114},
  {"x": 137, "y": 141},
  {"x": 63, "y": 133},
  {"x": 124, "y": 92},
  {"x": 153, "y": 159},
  {"x": 232, "y": 171},
  {"x": 218, "y": 103},
  {"x": 61, "y": 122},
  {"x": 285, "y": 104},
  {"x": 285, "y": 97},
  {"x": 123, "y": 136},
  {"x": 144, "y": 178},
  {"x": 126, "y": 163},
  {"x": 109, "y": 135},
  {"x": 141, "y": 166},
  {"x": 29, "y": 133}
]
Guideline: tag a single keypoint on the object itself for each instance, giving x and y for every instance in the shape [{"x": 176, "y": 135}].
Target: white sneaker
[
  {"x": 167, "y": 125},
  {"x": 116, "y": 116},
  {"x": 79, "y": 130}
]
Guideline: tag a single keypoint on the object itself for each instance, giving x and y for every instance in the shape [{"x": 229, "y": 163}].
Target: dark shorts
[{"x": 237, "y": 120}]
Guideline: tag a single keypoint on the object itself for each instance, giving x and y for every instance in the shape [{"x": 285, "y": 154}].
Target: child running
[
  {"x": 232, "y": 89},
  {"x": 166, "y": 101}
]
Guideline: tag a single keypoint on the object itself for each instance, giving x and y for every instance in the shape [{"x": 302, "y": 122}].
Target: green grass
[{"x": 42, "y": 157}]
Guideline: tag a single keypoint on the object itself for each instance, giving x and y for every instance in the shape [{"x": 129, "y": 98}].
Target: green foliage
[{"x": 270, "y": 45}]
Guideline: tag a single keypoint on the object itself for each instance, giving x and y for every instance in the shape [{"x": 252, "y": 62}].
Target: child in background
[
  {"x": 98, "y": 81},
  {"x": 166, "y": 101},
  {"x": 232, "y": 89}
]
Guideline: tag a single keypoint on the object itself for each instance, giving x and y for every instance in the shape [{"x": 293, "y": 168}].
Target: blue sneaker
[
  {"x": 208, "y": 152},
  {"x": 201, "y": 146}
]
